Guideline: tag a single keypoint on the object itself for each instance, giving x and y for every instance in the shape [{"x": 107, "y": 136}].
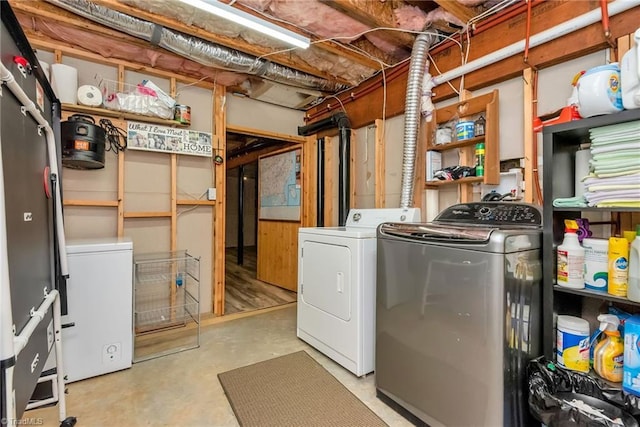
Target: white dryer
[{"x": 337, "y": 284}]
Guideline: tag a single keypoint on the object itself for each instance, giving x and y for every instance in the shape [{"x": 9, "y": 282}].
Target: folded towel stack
[{"x": 614, "y": 180}]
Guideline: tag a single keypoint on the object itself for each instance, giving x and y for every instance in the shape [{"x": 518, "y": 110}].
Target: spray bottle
[{"x": 609, "y": 352}]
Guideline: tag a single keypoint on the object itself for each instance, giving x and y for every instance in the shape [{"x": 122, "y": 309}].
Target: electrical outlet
[{"x": 211, "y": 194}]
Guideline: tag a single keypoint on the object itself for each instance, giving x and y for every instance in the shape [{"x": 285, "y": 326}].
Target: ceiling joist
[
  {"x": 373, "y": 14},
  {"x": 458, "y": 10}
]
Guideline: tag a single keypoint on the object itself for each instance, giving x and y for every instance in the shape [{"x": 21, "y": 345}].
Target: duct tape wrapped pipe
[{"x": 90, "y": 96}]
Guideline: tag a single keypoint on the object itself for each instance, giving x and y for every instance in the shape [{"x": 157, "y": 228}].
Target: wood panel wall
[{"x": 278, "y": 253}]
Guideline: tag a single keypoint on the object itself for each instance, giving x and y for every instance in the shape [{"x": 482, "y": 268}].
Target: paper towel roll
[
  {"x": 581, "y": 170},
  {"x": 89, "y": 95},
  {"x": 64, "y": 80}
]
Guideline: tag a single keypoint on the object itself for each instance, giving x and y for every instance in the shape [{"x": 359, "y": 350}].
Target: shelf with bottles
[
  {"x": 473, "y": 110},
  {"x": 561, "y": 142},
  {"x": 104, "y": 112}
]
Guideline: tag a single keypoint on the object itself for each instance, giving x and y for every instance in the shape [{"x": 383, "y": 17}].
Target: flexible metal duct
[
  {"x": 198, "y": 50},
  {"x": 412, "y": 115}
]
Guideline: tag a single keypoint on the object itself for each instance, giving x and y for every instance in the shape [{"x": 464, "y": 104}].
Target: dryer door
[{"x": 326, "y": 278}]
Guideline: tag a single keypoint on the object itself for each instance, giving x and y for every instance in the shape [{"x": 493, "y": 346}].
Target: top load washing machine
[
  {"x": 458, "y": 314},
  {"x": 336, "y": 286}
]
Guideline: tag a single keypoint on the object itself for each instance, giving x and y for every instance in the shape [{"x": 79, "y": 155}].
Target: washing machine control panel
[{"x": 492, "y": 214}]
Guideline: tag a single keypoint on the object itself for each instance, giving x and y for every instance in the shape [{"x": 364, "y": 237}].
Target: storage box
[{"x": 137, "y": 99}]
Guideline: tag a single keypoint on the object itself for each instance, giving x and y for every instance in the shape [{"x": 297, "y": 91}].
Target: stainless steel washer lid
[{"x": 437, "y": 232}]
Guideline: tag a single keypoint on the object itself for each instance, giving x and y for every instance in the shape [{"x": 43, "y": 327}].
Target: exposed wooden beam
[
  {"x": 364, "y": 104},
  {"x": 373, "y": 14},
  {"x": 458, "y": 10},
  {"x": 249, "y": 157}
]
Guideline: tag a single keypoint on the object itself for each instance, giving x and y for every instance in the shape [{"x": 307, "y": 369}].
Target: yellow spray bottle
[{"x": 609, "y": 352}]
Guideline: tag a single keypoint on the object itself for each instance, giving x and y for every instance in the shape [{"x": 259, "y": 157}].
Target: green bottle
[{"x": 480, "y": 159}]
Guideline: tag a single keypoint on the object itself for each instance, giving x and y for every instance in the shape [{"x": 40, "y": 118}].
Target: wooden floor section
[{"x": 243, "y": 291}]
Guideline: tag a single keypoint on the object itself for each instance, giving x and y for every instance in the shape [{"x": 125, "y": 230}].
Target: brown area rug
[{"x": 293, "y": 390}]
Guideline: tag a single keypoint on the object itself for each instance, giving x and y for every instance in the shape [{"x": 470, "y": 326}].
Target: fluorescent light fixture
[{"x": 246, "y": 19}]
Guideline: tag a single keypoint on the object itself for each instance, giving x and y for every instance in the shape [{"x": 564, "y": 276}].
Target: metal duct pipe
[
  {"x": 412, "y": 115},
  {"x": 320, "y": 183},
  {"x": 193, "y": 48}
]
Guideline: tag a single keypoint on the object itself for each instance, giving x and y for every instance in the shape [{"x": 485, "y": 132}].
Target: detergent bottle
[
  {"x": 630, "y": 75},
  {"x": 609, "y": 353},
  {"x": 570, "y": 258},
  {"x": 633, "y": 292}
]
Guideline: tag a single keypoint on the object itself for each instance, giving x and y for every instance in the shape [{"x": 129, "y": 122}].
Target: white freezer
[{"x": 100, "y": 304}]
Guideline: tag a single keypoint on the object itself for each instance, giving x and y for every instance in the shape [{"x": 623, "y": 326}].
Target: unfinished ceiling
[{"x": 352, "y": 40}]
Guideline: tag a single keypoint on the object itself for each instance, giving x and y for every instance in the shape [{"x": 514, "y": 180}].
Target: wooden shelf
[
  {"x": 486, "y": 105},
  {"x": 466, "y": 180},
  {"x": 120, "y": 115},
  {"x": 457, "y": 144}
]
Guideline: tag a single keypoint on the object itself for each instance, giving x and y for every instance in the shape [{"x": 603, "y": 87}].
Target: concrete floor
[{"x": 183, "y": 389}]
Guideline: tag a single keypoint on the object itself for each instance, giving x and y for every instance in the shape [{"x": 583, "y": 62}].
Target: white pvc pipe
[
  {"x": 615, "y": 7},
  {"x": 28, "y": 105},
  {"x": 57, "y": 330},
  {"x": 20, "y": 341}
]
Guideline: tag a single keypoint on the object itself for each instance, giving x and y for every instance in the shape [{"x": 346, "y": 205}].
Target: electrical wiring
[{"x": 116, "y": 139}]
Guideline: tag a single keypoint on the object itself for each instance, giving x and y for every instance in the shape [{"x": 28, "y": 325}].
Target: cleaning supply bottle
[
  {"x": 570, "y": 258},
  {"x": 618, "y": 266},
  {"x": 631, "y": 369},
  {"x": 609, "y": 352},
  {"x": 633, "y": 291}
]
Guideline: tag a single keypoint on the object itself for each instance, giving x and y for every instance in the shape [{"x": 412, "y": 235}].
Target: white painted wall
[
  {"x": 248, "y": 113},
  {"x": 363, "y": 140}
]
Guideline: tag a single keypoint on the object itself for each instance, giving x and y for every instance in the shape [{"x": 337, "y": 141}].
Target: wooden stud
[
  {"x": 330, "y": 172},
  {"x": 266, "y": 134},
  {"x": 529, "y": 136},
  {"x": 380, "y": 169},
  {"x": 121, "y": 156},
  {"x": 57, "y": 54},
  {"x": 419, "y": 166},
  {"x": 92, "y": 203},
  {"x": 174, "y": 197},
  {"x": 220, "y": 120},
  {"x": 191, "y": 202},
  {"x": 309, "y": 176},
  {"x": 147, "y": 214}
]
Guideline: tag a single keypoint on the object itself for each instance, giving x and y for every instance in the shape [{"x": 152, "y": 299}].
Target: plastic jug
[
  {"x": 633, "y": 291},
  {"x": 599, "y": 91},
  {"x": 630, "y": 75},
  {"x": 631, "y": 369}
]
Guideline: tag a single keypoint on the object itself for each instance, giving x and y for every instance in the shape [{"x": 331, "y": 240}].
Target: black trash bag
[{"x": 553, "y": 388}]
